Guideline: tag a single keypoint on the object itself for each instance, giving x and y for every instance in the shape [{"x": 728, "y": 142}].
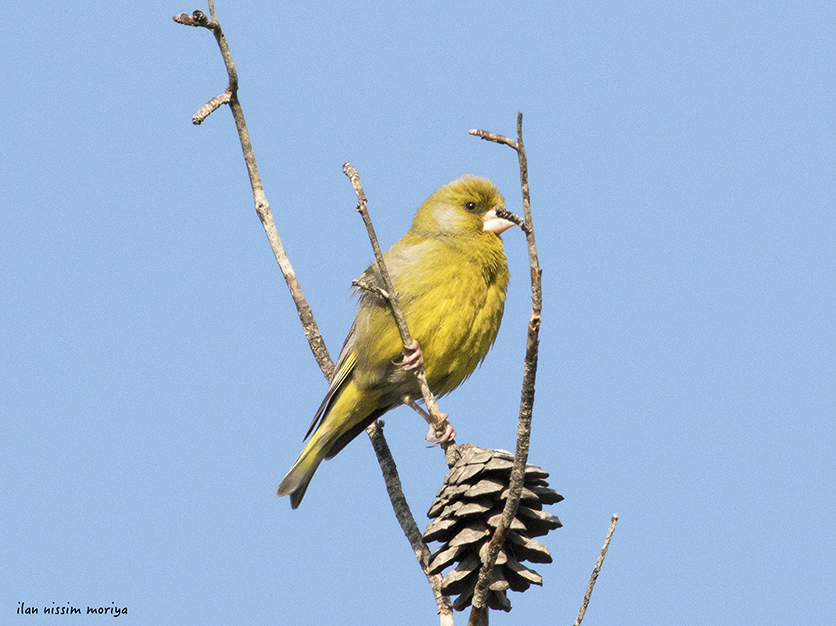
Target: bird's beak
[{"x": 495, "y": 224}]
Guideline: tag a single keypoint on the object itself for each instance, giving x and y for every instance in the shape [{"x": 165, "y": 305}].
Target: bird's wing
[
  {"x": 345, "y": 364},
  {"x": 401, "y": 259}
]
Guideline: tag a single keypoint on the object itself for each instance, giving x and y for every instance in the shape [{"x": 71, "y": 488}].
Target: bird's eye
[{"x": 470, "y": 206}]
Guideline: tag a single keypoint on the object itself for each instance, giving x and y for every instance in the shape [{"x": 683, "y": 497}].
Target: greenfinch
[{"x": 451, "y": 275}]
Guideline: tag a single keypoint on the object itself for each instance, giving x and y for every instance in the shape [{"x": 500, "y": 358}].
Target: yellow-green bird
[{"x": 451, "y": 274}]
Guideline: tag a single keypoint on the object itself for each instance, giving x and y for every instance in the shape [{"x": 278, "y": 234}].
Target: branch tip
[
  {"x": 196, "y": 19},
  {"x": 494, "y": 137},
  {"x": 210, "y": 107},
  {"x": 350, "y": 171},
  {"x": 597, "y": 569},
  {"x": 361, "y": 284}
]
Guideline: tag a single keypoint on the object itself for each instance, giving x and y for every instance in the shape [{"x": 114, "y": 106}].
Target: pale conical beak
[{"x": 495, "y": 224}]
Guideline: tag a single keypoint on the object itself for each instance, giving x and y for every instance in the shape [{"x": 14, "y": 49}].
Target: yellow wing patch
[{"x": 336, "y": 382}]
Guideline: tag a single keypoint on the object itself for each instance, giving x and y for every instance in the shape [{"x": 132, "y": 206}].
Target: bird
[{"x": 451, "y": 275}]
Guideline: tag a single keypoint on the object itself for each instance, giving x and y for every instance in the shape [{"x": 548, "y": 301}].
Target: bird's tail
[{"x": 300, "y": 474}]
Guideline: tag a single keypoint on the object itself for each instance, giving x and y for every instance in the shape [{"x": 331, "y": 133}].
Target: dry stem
[
  {"x": 391, "y": 296},
  {"x": 597, "y": 569},
  {"x": 402, "y": 512},
  {"x": 407, "y": 521},
  {"x": 262, "y": 207},
  {"x": 479, "y": 612}
]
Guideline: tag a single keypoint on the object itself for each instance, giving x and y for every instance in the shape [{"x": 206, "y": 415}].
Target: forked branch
[{"x": 262, "y": 207}]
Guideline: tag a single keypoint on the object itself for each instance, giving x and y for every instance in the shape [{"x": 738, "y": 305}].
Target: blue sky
[{"x": 155, "y": 383}]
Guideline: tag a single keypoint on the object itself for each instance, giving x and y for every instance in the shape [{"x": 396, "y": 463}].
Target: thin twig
[
  {"x": 407, "y": 521},
  {"x": 402, "y": 512},
  {"x": 358, "y": 282},
  {"x": 597, "y": 569},
  {"x": 479, "y": 612},
  {"x": 489, "y": 136},
  {"x": 262, "y": 207},
  {"x": 210, "y": 107},
  {"x": 198, "y": 18},
  {"x": 394, "y": 302}
]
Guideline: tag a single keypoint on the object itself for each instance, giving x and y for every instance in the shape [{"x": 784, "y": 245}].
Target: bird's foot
[
  {"x": 447, "y": 434},
  {"x": 412, "y": 357}
]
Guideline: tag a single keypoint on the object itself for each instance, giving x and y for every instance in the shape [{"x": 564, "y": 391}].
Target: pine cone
[{"x": 465, "y": 513}]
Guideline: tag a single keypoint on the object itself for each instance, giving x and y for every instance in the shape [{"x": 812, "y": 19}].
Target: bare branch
[
  {"x": 211, "y": 106},
  {"x": 387, "y": 464},
  {"x": 198, "y": 18},
  {"x": 489, "y": 136},
  {"x": 407, "y": 521},
  {"x": 437, "y": 418},
  {"x": 479, "y": 612},
  {"x": 262, "y": 207},
  {"x": 357, "y": 282},
  {"x": 597, "y": 570}
]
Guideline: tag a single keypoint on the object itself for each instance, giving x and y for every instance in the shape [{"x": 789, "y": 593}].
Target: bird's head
[{"x": 466, "y": 206}]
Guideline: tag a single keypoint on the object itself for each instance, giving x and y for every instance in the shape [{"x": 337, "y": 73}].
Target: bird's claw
[
  {"x": 413, "y": 357},
  {"x": 448, "y": 434}
]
